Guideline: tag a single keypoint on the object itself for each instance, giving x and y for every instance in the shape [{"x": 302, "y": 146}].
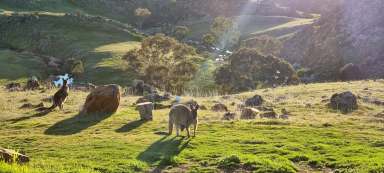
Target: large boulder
[
  {"x": 345, "y": 102},
  {"x": 10, "y": 156},
  {"x": 219, "y": 107},
  {"x": 249, "y": 113},
  {"x": 256, "y": 100},
  {"x": 13, "y": 86},
  {"x": 145, "y": 110},
  {"x": 141, "y": 88},
  {"x": 269, "y": 114},
  {"x": 229, "y": 116},
  {"x": 32, "y": 84},
  {"x": 103, "y": 99}
]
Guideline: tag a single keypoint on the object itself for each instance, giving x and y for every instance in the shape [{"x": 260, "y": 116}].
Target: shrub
[{"x": 247, "y": 68}]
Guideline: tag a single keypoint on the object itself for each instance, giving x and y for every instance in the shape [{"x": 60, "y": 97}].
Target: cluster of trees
[
  {"x": 170, "y": 65},
  {"x": 164, "y": 62},
  {"x": 247, "y": 69}
]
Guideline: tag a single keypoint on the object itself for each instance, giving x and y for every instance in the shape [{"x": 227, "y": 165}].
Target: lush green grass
[
  {"x": 18, "y": 66},
  {"x": 314, "y": 139}
]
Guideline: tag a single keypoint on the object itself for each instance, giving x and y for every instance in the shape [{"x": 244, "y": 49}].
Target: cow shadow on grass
[
  {"x": 162, "y": 153},
  {"x": 76, "y": 124}
]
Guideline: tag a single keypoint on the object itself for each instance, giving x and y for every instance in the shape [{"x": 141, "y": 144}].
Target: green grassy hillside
[
  {"x": 98, "y": 41},
  {"x": 253, "y": 25},
  {"x": 313, "y": 139}
]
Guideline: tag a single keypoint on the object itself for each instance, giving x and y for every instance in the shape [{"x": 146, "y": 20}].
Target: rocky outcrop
[
  {"x": 103, "y": 99},
  {"x": 351, "y": 33},
  {"x": 10, "y": 156}
]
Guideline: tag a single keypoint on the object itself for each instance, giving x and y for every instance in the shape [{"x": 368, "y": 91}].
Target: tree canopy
[
  {"x": 164, "y": 62},
  {"x": 247, "y": 68}
]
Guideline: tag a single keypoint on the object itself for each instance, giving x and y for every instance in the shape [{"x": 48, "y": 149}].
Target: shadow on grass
[
  {"x": 162, "y": 153},
  {"x": 130, "y": 126},
  {"x": 76, "y": 124},
  {"x": 39, "y": 114}
]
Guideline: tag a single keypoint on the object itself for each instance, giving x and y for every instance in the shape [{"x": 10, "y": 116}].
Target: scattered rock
[
  {"x": 155, "y": 97},
  {"x": 9, "y": 156},
  {"x": 13, "y": 86},
  {"x": 284, "y": 111},
  {"x": 219, "y": 107},
  {"x": 345, "y": 102},
  {"x": 32, "y": 84},
  {"x": 378, "y": 102},
  {"x": 380, "y": 115},
  {"x": 284, "y": 116},
  {"x": 366, "y": 89},
  {"x": 203, "y": 107},
  {"x": 30, "y": 105},
  {"x": 256, "y": 100},
  {"x": 233, "y": 104},
  {"x": 103, "y": 99},
  {"x": 269, "y": 114},
  {"x": 229, "y": 116},
  {"x": 141, "y": 88},
  {"x": 145, "y": 110},
  {"x": 249, "y": 113}
]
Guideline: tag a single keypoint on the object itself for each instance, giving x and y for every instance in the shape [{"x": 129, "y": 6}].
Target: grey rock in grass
[
  {"x": 345, "y": 102},
  {"x": 256, "y": 100},
  {"x": 12, "y": 156},
  {"x": 219, "y": 107}
]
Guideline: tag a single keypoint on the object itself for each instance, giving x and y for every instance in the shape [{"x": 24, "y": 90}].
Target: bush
[{"x": 247, "y": 69}]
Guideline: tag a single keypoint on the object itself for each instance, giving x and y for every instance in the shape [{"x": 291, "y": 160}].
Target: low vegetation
[{"x": 313, "y": 139}]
